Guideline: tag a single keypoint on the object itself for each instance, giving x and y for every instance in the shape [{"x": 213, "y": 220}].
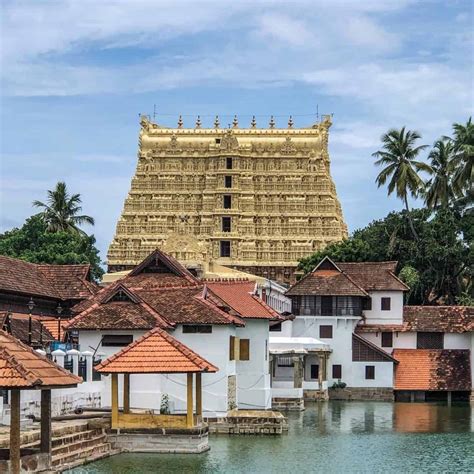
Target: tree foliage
[
  {"x": 442, "y": 256},
  {"x": 34, "y": 243},
  {"x": 61, "y": 211},
  {"x": 399, "y": 156}
]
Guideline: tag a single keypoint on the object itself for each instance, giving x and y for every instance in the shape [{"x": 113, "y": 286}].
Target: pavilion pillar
[
  {"x": 126, "y": 393},
  {"x": 115, "y": 400},
  {"x": 189, "y": 401},
  {"x": 45, "y": 445},
  {"x": 15, "y": 431},
  {"x": 321, "y": 371},
  {"x": 198, "y": 394},
  {"x": 297, "y": 372}
]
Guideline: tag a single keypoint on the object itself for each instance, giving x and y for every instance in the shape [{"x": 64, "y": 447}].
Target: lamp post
[
  {"x": 59, "y": 310},
  {"x": 31, "y": 305}
]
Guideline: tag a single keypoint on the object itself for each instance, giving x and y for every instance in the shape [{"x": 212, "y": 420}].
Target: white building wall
[
  {"x": 393, "y": 316},
  {"x": 146, "y": 390},
  {"x": 253, "y": 377},
  {"x": 383, "y": 374},
  {"x": 457, "y": 340}
]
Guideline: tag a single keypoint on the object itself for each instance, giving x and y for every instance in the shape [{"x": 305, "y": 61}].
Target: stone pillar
[
  {"x": 126, "y": 393},
  {"x": 58, "y": 357},
  {"x": 270, "y": 365},
  {"x": 321, "y": 371},
  {"x": 45, "y": 445},
  {"x": 74, "y": 354},
  {"x": 198, "y": 394},
  {"x": 297, "y": 372},
  {"x": 88, "y": 355},
  {"x": 15, "y": 431},
  {"x": 115, "y": 398},
  {"x": 189, "y": 401}
]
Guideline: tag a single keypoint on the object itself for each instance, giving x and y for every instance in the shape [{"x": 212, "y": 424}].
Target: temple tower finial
[
  {"x": 253, "y": 123},
  {"x": 235, "y": 122},
  {"x": 272, "y": 122},
  {"x": 180, "y": 122},
  {"x": 198, "y": 122},
  {"x": 216, "y": 122},
  {"x": 290, "y": 122}
]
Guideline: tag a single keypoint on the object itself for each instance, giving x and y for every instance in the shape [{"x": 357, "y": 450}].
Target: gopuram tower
[{"x": 254, "y": 199}]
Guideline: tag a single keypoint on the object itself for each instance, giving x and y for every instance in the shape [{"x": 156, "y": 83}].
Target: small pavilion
[
  {"x": 157, "y": 352},
  {"x": 21, "y": 368}
]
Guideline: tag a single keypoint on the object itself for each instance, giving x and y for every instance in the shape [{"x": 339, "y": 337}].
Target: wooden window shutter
[
  {"x": 232, "y": 348},
  {"x": 245, "y": 349}
]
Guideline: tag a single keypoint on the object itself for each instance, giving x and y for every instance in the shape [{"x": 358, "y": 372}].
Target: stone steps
[{"x": 81, "y": 455}]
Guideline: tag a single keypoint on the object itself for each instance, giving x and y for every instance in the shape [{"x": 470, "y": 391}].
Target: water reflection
[
  {"x": 330, "y": 437},
  {"x": 431, "y": 418}
]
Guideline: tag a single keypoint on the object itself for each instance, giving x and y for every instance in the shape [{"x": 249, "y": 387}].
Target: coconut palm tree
[
  {"x": 439, "y": 190},
  {"x": 61, "y": 210},
  {"x": 464, "y": 148},
  {"x": 398, "y": 155}
]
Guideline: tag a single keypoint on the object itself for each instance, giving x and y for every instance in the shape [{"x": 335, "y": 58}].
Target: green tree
[
  {"x": 464, "y": 147},
  {"x": 34, "y": 243},
  {"x": 439, "y": 190},
  {"x": 442, "y": 256},
  {"x": 398, "y": 155},
  {"x": 61, "y": 211}
]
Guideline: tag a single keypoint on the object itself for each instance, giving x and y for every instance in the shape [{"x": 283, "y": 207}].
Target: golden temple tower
[{"x": 252, "y": 199}]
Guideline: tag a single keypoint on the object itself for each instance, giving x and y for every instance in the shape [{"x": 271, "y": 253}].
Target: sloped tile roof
[
  {"x": 21, "y": 367},
  {"x": 51, "y": 281},
  {"x": 51, "y": 325},
  {"x": 432, "y": 369},
  {"x": 154, "y": 353},
  {"x": 448, "y": 319},
  {"x": 374, "y": 276},
  {"x": 455, "y": 319},
  {"x": 240, "y": 296},
  {"x": 326, "y": 282},
  {"x": 19, "y": 326},
  {"x": 171, "y": 294}
]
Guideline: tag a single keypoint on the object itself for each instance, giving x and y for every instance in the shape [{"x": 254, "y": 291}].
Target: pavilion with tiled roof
[
  {"x": 157, "y": 352},
  {"x": 21, "y": 368}
]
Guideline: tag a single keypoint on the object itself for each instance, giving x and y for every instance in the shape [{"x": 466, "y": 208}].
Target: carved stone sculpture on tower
[{"x": 252, "y": 199}]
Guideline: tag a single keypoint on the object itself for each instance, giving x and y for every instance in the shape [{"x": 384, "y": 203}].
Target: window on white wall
[
  {"x": 370, "y": 372},
  {"x": 386, "y": 303}
]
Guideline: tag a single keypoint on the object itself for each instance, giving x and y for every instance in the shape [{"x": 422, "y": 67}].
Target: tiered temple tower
[{"x": 249, "y": 198}]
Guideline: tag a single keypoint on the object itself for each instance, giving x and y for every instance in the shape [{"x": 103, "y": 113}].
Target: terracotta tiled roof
[
  {"x": 432, "y": 369},
  {"x": 155, "y": 352},
  {"x": 454, "y": 319},
  {"x": 71, "y": 281},
  {"x": 19, "y": 326},
  {"x": 21, "y": 367},
  {"x": 450, "y": 319},
  {"x": 240, "y": 296},
  {"x": 373, "y": 275},
  {"x": 51, "y": 281},
  {"x": 326, "y": 282},
  {"x": 51, "y": 325},
  {"x": 187, "y": 306}
]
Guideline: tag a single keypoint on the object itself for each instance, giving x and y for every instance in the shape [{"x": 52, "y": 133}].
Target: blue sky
[{"x": 76, "y": 75}]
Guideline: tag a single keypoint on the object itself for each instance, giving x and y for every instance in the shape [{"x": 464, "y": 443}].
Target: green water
[{"x": 335, "y": 437}]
